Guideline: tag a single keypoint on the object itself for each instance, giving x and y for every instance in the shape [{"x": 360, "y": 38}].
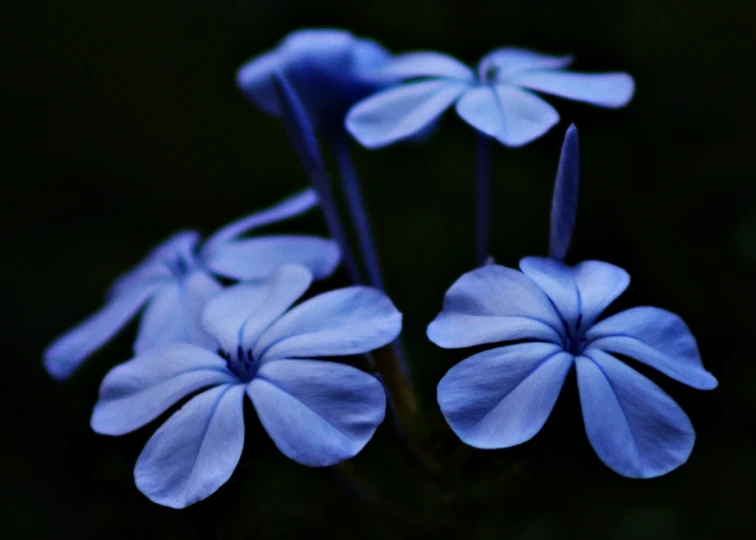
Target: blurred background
[{"x": 122, "y": 124}]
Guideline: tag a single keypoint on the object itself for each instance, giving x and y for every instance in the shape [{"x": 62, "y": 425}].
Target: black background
[{"x": 122, "y": 123}]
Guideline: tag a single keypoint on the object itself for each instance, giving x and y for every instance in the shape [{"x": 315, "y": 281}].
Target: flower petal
[
  {"x": 510, "y": 115},
  {"x": 511, "y": 60},
  {"x": 556, "y": 280},
  {"x": 584, "y": 290},
  {"x": 67, "y": 352},
  {"x": 402, "y": 111},
  {"x": 503, "y": 396},
  {"x": 564, "y": 202},
  {"x": 657, "y": 338},
  {"x": 317, "y": 413},
  {"x": 138, "y": 391},
  {"x": 238, "y": 315},
  {"x": 195, "y": 451},
  {"x": 352, "y": 320},
  {"x": 635, "y": 428},
  {"x": 494, "y": 303},
  {"x": 426, "y": 64},
  {"x": 258, "y": 258},
  {"x": 612, "y": 90},
  {"x": 599, "y": 283},
  {"x": 286, "y": 209},
  {"x": 173, "y": 316}
]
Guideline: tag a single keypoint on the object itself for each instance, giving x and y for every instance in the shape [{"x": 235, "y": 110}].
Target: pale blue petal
[
  {"x": 502, "y": 397},
  {"x": 564, "y": 202},
  {"x": 657, "y": 338},
  {"x": 583, "y": 291},
  {"x": 238, "y": 315},
  {"x": 257, "y": 258},
  {"x": 611, "y": 90},
  {"x": 67, "y": 352},
  {"x": 635, "y": 428},
  {"x": 511, "y": 60},
  {"x": 494, "y": 303},
  {"x": 195, "y": 451},
  {"x": 555, "y": 278},
  {"x": 426, "y": 64},
  {"x": 599, "y": 283},
  {"x": 224, "y": 315},
  {"x": 173, "y": 316},
  {"x": 144, "y": 275},
  {"x": 286, "y": 209},
  {"x": 400, "y": 112},
  {"x": 138, "y": 391},
  {"x": 317, "y": 413},
  {"x": 512, "y": 116},
  {"x": 353, "y": 320}
]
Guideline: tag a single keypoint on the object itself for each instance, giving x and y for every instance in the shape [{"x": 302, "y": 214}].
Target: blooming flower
[
  {"x": 175, "y": 281},
  {"x": 318, "y": 413},
  {"x": 496, "y": 102},
  {"x": 502, "y": 397},
  {"x": 329, "y": 69}
]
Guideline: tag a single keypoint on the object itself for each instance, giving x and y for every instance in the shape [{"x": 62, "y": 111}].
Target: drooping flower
[
  {"x": 329, "y": 69},
  {"x": 176, "y": 279},
  {"x": 502, "y": 397},
  {"x": 318, "y": 413},
  {"x": 496, "y": 101}
]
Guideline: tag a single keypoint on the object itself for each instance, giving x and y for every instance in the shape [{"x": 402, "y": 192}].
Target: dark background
[{"x": 122, "y": 123}]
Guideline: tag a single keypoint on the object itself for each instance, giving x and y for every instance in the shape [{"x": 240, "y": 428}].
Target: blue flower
[
  {"x": 330, "y": 70},
  {"x": 502, "y": 397},
  {"x": 318, "y": 413},
  {"x": 175, "y": 281},
  {"x": 496, "y": 102}
]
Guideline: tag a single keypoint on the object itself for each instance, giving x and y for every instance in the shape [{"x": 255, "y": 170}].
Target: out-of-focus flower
[
  {"x": 496, "y": 101},
  {"x": 176, "y": 279}
]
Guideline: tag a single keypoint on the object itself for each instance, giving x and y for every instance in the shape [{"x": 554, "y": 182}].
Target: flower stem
[
  {"x": 482, "y": 199},
  {"x": 408, "y": 421},
  {"x": 303, "y": 139},
  {"x": 358, "y": 214},
  {"x": 356, "y": 206}
]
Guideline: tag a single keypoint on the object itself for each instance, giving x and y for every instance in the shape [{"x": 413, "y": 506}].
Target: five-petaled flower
[
  {"x": 496, "y": 102},
  {"x": 318, "y": 413},
  {"x": 176, "y": 280},
  {"x": 502, "y": 397},
  {"x": 329, "y": 69}
]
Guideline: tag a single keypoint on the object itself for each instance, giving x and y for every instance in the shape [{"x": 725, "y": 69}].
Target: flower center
[
  {"x": 242, "y": 363},
  {"x": 487, "y": 72},
  {"x": 180, "y": 264},
  {"x": 574, "y": 340}
]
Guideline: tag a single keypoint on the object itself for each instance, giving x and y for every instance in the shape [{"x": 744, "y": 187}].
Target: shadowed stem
[
  {"x": 482, "y": 198},
  {"x": 357, "y": 212},
  {"x": 407, "y": 418},
  {"x": 302, "y": 137}
]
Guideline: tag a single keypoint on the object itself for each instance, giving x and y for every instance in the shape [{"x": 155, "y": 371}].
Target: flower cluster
[{"x": 219, "y": 320}]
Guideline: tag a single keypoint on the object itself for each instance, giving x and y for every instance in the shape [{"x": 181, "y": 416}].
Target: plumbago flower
[
  {"x": 496, "y": 101},
  {"x": 503, "y": 396},
  {"x": 176, "y": 280},
  {"x": 318, "y": 413},
  {"x": 329, "y": 69}
]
